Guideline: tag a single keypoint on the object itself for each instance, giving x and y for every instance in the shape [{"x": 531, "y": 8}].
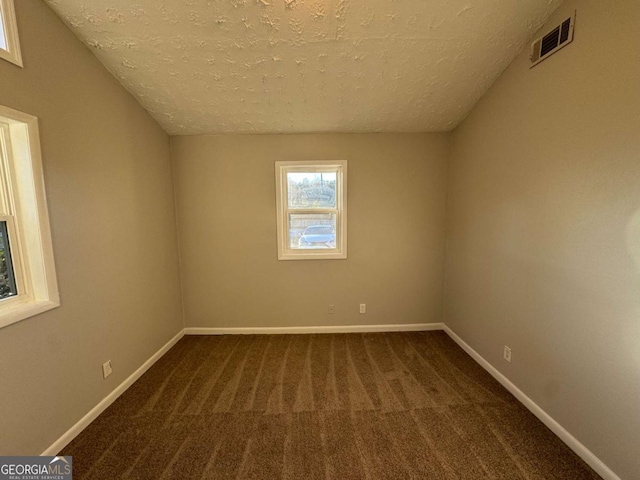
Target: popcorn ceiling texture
[{"x": 290, "y": 66}]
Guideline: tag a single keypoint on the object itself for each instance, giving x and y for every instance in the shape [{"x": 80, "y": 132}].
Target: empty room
[{"x": 320, "y": 239}]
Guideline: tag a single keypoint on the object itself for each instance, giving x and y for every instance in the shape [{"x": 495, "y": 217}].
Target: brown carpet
[{"x": 343, "y": 406}]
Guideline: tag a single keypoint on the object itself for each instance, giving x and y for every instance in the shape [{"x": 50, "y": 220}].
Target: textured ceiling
[{"x": 268, "y": 66}]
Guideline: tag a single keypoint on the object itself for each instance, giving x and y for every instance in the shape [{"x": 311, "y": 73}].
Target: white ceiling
[{"x": 270, "y": 66}]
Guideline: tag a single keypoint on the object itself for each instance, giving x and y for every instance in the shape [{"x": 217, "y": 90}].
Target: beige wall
[
  {"x": 110, "y": 197},
  {"x": 544, "y": 230},
  {"x": 225, "y": 191}
]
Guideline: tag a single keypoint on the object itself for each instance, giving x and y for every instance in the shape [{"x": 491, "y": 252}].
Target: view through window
[
  {"x": 3, "y": 38},
  {"x": 314, "y": 194},
  {"x": 7, "y": 277},
  {"x": 9, "y": 42}
]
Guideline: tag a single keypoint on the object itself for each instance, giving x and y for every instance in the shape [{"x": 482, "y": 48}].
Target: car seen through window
[{"x": 318, "y": 236}]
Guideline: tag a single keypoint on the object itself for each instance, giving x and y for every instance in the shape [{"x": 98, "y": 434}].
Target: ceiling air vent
[{"x": 553, "y": 41}]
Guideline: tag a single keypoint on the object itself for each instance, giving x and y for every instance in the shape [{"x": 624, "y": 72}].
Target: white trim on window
[
  {"x": 10, "y": 26},
  {"x": 23, "y": 206},
  {"x": 284, "y": 211}
]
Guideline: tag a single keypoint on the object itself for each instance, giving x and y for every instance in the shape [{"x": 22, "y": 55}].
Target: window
[
  {"x": 28, "y": 283},
  {"x": 311, "y": 202},
  {"x": 9, "y": 44}
]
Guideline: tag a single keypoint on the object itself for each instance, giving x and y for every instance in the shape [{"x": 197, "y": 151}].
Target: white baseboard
[
  {"x": 73, "y": 432},
  {"x": 571, "y": 441},
  {"x": 411, "y": 327}
]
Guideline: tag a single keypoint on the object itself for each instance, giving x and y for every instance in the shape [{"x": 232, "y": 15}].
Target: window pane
[
  {"x": 7, "y": 280},
  {"x": 311, "y": 189},
  {"x": 3, "y": 40},
  {"x": 312, "y": 230}
]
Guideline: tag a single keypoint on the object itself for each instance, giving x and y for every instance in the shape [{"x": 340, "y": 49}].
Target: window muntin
[
  {"x": 311, "y": 204},
  {"x": 9, "y": 42}
]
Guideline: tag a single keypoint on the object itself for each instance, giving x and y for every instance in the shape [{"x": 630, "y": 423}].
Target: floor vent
[{"x": 553, "y": 41}]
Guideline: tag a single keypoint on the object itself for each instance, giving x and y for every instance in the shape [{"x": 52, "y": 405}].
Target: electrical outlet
[
  {"x": 332, "y": 309},
  {"x": 507, "y": 354},
  {"x": 363, "y": 308},
  {"x": 107, "y": 369}
]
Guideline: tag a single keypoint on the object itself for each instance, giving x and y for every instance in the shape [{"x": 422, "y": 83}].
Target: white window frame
[
  {"x": 12, "y": 53},
  {"x": 285, "y": 252},
  {"x": 23, "y": 205}
]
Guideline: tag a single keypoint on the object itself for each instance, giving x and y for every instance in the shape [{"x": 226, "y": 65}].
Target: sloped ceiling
[{"x": 285, "y": 66}]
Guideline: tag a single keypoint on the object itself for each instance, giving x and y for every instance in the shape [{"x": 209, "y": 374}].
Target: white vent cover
[{"x": 558, "y": 37}]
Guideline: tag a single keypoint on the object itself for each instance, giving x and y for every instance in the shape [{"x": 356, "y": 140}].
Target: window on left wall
[
  {"x": 28, "y": 284},
  {"x": 9, "y": 42}
]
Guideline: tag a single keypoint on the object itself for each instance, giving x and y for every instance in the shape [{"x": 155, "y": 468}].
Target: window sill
[
  {"x": 18, "y": 311},
  {"x": 313, "y": 256}
]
